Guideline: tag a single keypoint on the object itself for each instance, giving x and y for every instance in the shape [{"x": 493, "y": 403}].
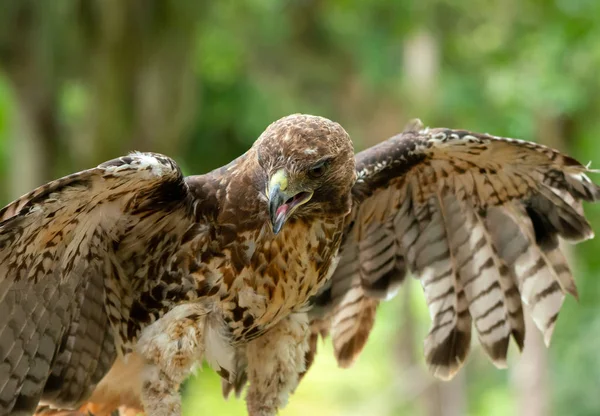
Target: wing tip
[
  {"x": 350, "y": 339},
  {"x": 547, "y": 333},
  {"x": 447, "y": 358},
  {"x": 348, "y": 353},
  {"x": 444, "y": 372},
  {"x": 498, "y": 351},
  {"x": 570, "y": 288},
  {"x": 347, "y": 360},
  {"x": 518, "y": 335}
]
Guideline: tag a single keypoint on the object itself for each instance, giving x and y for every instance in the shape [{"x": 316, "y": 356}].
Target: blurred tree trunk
[
  {"x": 530, "y": 374},
  {"x": 141, "y": 83},
  {"x": 421, "y": 68},
  {"x": 30, "y": 65},
  {"x": 133, "y": 59},
  {"x": 29, "y": 165}
]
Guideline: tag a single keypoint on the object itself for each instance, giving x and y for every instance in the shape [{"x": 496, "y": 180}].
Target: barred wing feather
[
  {"x": 477, "y": 219},
  {"x": 65, "y": 303}
]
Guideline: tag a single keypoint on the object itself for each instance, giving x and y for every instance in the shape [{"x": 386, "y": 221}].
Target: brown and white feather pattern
[
  {"x": 477, "y": 219},
  {"x": 131, "y": 258},
  {"x": 371, "y": 268},
  {"x": 66, "y": 302}
]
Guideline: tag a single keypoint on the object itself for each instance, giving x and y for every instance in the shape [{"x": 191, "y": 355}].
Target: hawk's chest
[{"x": 279, "y": 275}]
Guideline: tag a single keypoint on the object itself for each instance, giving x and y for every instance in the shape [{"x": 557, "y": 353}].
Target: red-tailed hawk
[{"x": 115, "y": 281}]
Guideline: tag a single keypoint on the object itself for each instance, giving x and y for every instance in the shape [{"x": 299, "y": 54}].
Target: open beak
[{"x": 282, "y": 201}]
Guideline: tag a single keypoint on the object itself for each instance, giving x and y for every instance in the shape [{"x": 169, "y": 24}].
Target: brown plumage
[
  {"x": 132, "y": 268},
  {"x": 477, "y": 220}
]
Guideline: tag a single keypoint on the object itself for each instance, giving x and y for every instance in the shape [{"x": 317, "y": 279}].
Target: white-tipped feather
[
  {"x": 477, "y": 219},
  {"x": 543, "y": 277}
]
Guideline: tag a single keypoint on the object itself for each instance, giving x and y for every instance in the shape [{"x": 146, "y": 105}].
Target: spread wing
[
  {"x": 66, "y": 299},
  {"x": 477, "y": 219}
]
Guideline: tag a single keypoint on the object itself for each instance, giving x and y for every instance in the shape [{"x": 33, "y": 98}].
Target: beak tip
[
  {"x": 275, "y": 200},
  {"x": 276, "y": 225}
]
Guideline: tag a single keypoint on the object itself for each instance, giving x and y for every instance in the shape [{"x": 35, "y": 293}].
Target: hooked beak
[{"x": 282, "y": 201}]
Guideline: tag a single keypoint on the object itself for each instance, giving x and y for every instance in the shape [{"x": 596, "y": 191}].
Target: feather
[
  {"x": 430, "y": 256},
  {"x": 237, "y": 381},
  {"x": 382, "y": 267},
  {"x": 478, "y": 220},
  {"x": 366, "y": 273},
  {"x": 351, "y": 325},
  {"x": 541, "y": 273},
  {"x": 218, "y": 351},
  {"x": 66, "y": 309}
]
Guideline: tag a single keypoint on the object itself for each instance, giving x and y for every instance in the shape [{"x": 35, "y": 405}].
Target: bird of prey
[{"x": 116, "y": 280}]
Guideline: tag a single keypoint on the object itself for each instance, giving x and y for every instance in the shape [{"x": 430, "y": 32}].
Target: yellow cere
[{"x": 280, "y": 178}]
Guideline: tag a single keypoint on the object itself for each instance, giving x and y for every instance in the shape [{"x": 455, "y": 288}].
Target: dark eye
[{"x": 318, "y": 170}]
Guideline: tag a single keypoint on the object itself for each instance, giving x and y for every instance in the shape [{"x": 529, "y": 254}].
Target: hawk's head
[{"x": 309, "y": 165}]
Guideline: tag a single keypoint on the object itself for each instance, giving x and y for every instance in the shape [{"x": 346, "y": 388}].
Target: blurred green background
[{"x": 83, "y": 81}]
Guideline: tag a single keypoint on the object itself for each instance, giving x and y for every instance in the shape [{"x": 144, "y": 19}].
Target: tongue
[
  {"x": 282, "y": 210},
  {"x": 280, "y": 215}
]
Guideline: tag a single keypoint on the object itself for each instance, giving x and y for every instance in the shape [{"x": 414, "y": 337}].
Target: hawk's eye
[{"x": 318, "y": 170}]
